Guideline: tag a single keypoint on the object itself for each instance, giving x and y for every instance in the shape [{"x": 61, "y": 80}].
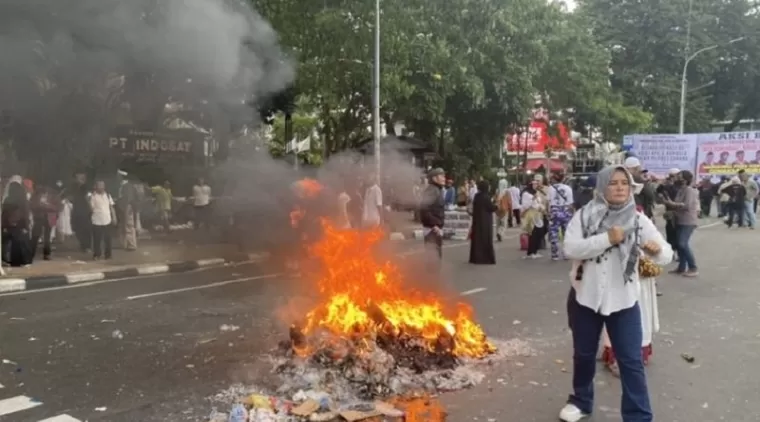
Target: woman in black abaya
[{"x": 481, "y": 240}]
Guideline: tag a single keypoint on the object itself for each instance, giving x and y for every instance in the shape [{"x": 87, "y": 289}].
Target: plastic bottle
[{"x": 238, "y": 414}]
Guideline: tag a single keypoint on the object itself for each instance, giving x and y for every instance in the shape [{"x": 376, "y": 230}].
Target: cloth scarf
[{"x": 599, "y": 216}]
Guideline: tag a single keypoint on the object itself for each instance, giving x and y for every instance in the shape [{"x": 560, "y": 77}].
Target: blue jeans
[
  {"x": 685, "y": 254},
  {"x": 624, "y": 329},
  {"x": 749, "y": 211}
]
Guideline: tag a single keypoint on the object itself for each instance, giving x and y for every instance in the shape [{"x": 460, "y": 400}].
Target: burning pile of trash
[{"x": 372, "y": 335}]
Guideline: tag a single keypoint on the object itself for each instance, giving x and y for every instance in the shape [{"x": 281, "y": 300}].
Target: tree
[{"x": 647, "y": 43}]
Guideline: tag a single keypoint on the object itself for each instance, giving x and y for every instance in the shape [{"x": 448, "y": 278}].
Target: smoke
[
  {"x": 261, "y": 191},
  {"x": 71, "y": 66}
]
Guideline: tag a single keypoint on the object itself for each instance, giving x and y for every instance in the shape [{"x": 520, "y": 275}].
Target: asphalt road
[{"x": 154, "y": 349}]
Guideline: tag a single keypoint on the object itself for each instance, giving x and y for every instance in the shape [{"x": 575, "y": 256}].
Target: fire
[
  {"x": 304, "y": 189},
  {"x": 308, "y": 188},
  {"x": 363, "y": 297}
]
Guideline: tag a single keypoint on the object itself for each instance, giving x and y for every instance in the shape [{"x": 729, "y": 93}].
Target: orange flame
[
  {"x": 354, "y": 284},
  {"x": 308, "y": 188}
]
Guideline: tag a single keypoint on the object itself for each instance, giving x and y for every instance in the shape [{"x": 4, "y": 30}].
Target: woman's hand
[
  {"x": 651, "y": 247},
  {"x": 616, "y": 235}
]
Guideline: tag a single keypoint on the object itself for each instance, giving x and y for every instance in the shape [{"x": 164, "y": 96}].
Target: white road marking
[
  {"x": 84, "y": 277},
  {"x": 17, "y": 404},
  {"x": 153, "y": 269},
  {"x": 204, "y": 286},
  {"x": 61, "y": 418},
  {"x": 95, "y": 283},
  {"x": 473, "y": 291},
  {"x": 2, "y": 386},
  {"x": 209, "y": 262}
]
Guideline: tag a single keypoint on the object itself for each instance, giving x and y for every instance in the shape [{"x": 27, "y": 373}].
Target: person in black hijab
[
  {"x": 17, "y": 251},
  {"x": 481, "y": 240}
]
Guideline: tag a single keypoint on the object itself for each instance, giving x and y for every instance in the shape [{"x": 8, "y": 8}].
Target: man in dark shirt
[
  {"x": 433, "y": 211},
  {"x": 667, "y": 191}
]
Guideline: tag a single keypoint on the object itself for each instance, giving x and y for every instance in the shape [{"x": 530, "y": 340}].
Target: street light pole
[
  {"x": 376, "y": 89},
  {"x": 685, "y": 82}
]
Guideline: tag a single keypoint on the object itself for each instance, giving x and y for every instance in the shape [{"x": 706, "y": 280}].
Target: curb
[{"x": 9, "y": 285}]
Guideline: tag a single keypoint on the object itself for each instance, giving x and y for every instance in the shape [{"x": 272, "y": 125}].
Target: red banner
[{"x": 537, "y": 139}]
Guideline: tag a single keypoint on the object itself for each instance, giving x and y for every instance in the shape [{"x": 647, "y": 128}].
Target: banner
[
  {"x": 538, "y": 137},
  {"x": 145, "y": 146},
  {"x": 724, "y": 154},
  {"x": 660, "y": 153}
]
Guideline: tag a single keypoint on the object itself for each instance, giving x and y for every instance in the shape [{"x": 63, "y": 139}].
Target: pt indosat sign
[{"x": 162, "y": 146}]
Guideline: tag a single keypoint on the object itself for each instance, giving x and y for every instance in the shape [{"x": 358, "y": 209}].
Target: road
[{"x": 154, "y": 348}]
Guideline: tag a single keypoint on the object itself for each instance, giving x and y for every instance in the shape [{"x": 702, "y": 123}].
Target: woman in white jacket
[{"x": 605, "y": 239}]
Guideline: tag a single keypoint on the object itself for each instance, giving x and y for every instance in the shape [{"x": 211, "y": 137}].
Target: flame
[
  {"x": 421, "y": 409},
  {"x": 308, "y": 188},
  {"x": 363, "y": 296}
]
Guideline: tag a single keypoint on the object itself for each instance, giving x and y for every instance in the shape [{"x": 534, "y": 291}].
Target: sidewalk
[{"x": 176, "y": 252}]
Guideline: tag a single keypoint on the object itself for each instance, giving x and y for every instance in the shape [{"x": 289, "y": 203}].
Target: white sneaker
[
  {"x": 538, "y": 255},
  {"x": 571, "y": 413}
]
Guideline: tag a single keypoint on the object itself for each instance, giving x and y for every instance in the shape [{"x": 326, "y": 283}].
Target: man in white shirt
[
  {"x": 102, "y": 215},
  {"x": 561, "y": 201},
  {"x": 201, "y": 204},
  {"x": 373, "y": 204}
]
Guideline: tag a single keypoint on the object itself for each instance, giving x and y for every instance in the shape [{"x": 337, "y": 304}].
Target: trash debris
[
  {"x": 306, "y": 408},
  {"x": 238, "y": 414},
  {"x": 687, "y": 357},
  {"x": 117, "y": 334},
  {"x": 227, "y": 327},
  {"x": 258, "y": 401},
  {"x": 217, "y": 416},
  {"x": 32, "y": 338},
  {"x": 9, "y": 362},
  {"x": 101, "y": 409},
  {"x": 356, "y": 415}
]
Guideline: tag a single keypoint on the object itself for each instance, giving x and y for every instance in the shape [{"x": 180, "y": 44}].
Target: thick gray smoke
[{"x": 69, "y": 67}]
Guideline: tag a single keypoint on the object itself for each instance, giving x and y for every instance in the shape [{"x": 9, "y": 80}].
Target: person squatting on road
[
  {"x": 560, "y": 198},
  {"x": 605, "y": 239},
  {"x": 433, "y": 214}
]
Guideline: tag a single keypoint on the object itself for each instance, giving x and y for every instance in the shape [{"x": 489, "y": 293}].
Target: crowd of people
[
  {"x": 604, "y": 225},
  {"x": 34, "y": 215}
]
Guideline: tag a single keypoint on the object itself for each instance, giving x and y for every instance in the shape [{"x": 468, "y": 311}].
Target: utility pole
[{"x": 376, "y": 91}]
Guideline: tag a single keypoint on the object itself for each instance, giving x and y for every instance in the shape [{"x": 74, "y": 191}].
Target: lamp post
[
  {"x": 685, "y": 82},
  {"x": 376, "y": 91}
]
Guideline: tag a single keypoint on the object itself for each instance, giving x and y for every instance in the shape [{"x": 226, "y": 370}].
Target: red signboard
[{"x": 537, "y": 139}]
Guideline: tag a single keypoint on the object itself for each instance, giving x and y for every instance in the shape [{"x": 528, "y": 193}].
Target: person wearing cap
[
  {"x": 645, "y": 196},
  {"x": 433, "y": 211},
  {"x": 737, "y": 194}
]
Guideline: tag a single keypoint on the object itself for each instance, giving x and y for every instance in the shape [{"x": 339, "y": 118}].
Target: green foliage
[
  {"x": 303, "y": 127},
  {"x": 647, "y": 42}
]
